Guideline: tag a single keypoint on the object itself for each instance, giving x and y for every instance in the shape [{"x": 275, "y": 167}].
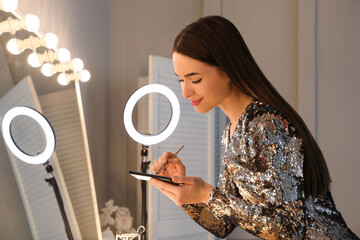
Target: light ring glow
[
  {"x": 129, "y": 107},
  {"x": 44, "y": 124}
]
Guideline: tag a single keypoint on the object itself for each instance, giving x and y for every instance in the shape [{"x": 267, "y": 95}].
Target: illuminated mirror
[{"x": 26, "y": 194}]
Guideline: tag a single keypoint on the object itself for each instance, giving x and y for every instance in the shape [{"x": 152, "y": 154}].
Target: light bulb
[
  {"x": 46, "y": 69},
  {"x": 12, "y": 46},
  {"x": 64, "y": 55},
  {"x": 85, "y": 75},
  {"x": 78, "y": 64},
  {"x": 32, "y": 22},
  {"x": 8, "y": 5},
  {"x": 33, "y": 60},
  {"x": 51, "y": 40},
  {"x": 62, "y": 79}
]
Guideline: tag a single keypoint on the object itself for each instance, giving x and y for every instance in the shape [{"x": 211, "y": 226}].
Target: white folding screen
[
  {"x": 39, "y": 199},
  {"x": 166, "y": 220}
]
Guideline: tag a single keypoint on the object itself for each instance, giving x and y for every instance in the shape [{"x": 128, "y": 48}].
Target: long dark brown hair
[{"x": 216, "y": 41}]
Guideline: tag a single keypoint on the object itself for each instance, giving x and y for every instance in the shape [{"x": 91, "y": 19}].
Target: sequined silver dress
[{"x": 261, "y": 185}]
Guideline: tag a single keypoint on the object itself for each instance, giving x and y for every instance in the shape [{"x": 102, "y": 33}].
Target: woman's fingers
[
  {"x": 191, "y": 189},
  {"x": 169, "y": 166},
  {"x": 165, "y": 191},
  {"x": 162, "y": 160},
  {"x": 155, "y": 166},
  {"x": 184, "y": 179},
  {"x": 167, "y": 154},
  {"x": 152, "y": 167},
  {"x": 174, "y": 160},
  {"x": 163, "y": 186},
  {"x": 170, "y": 190}
]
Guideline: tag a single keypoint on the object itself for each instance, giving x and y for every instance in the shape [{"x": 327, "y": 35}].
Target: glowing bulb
[
  {"x": 12, "y": 46},
  {"x": 62, "y": 79},
  {"x": 78, "y": 64},
  {"x": 64, "y": 55},
  {"x": 46, "y": 69},
  {"x": 8, "y": 5},
  {"x": 33, "y": 60},
  {"x": 85, "y": 75},
  {"x": 32, "y": 22},
  {"x": 51, "y": 40}
]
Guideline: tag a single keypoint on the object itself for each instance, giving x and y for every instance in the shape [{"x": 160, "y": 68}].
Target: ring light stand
[
  {"x": 52, "y": 182},
  {"x": 147, "y": 140},
  {"x": 41, "y": 158},
  {"x": 144, "y": 166}
]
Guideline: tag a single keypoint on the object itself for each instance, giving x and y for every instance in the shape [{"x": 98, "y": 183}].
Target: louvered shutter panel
[
  {"x": 166, "y": 220},
  {"x": 38, "y": 197},
  {"x": 61, "y": 109}
]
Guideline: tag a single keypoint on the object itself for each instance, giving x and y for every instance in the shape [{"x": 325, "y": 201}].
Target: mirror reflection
[
  {"x": 27, "y": 125},
  {"x": 30, "y": 202}
]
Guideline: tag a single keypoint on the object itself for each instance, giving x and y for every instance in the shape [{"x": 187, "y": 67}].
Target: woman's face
[{"x": 203, "y": 85}]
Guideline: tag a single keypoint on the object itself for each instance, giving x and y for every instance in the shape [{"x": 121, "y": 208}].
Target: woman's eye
[
  {"x": 180, "y": 80},
  {"x": 197, "y": 81}
]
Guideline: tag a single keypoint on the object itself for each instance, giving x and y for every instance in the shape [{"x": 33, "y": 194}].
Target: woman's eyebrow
[{"x": 189, "y": 74}]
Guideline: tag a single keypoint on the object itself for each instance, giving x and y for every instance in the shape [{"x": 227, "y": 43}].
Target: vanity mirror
[{"x": 27, "y": 203}]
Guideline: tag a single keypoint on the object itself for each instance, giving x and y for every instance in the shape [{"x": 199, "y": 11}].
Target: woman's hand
[
  {"x": 190, "y": 190},
  {"x": 173, "y": 167}
]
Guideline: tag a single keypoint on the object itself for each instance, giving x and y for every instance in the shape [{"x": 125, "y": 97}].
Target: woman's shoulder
[
  {"x": 260, "y": 115},
  {"x": 257, "y": 109}
]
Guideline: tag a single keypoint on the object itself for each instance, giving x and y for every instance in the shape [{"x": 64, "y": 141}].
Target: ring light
[
  {"x": 44, "y": 124},
  {"x": 129, "y": 107}
]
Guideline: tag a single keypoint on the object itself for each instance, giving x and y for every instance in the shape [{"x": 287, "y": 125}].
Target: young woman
[{"x": 274, "y": 182}]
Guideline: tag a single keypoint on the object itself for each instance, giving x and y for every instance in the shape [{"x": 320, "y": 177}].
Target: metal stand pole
[
  {"x": 52, "y": 182},
  {"x": 144, "y": 167}
]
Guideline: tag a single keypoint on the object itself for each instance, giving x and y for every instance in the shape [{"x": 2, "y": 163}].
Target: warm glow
[
  {"x": 61, "y": 79},
  {"x": 12, "y": 46},
  {"x": 33, "y": 60},
  {"x": 85, "y": 75},
  {"x": 32, "y": 22},
  {"x": 52, "y": 60},
  {"x": 63, "y": 55},
  {"x": 78, "y": 64},
  {"x": 16, "y": 46},
  {"x": 51, "y": 40},
  {"x": 8, "y": 5},
  {"x": 46, "y": 69}
]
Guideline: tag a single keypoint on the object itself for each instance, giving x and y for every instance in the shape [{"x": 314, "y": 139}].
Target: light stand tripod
[
  {"x": 144, "y": 167},
  {"x": 147, "y": 140},
  {"x": 52, "y": 182}
]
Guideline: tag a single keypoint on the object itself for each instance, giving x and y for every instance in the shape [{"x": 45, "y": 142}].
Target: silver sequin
[{"x": 261, "y": 185}]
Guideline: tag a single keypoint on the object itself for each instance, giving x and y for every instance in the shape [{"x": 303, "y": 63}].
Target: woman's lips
[{"x": 196, "y": 102}]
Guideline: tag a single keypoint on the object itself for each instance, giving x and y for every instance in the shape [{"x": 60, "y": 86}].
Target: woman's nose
[{"x": 187, "y": 90}]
